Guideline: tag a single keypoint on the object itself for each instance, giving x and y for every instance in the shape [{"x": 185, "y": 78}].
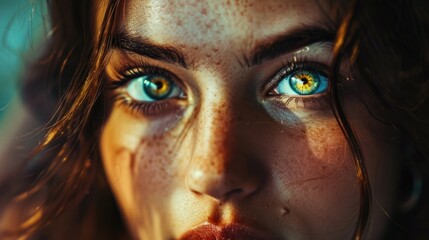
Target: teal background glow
[{"x": 21, "y": 28}]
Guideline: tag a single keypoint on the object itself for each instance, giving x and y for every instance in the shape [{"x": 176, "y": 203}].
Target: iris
[
  {"x": 150, "y": 88},
  {"x": 157, "y": 87},
  {"x": 303, "y": 82}
]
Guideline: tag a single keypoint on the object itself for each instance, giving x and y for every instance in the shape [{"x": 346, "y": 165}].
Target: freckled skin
[{"x": 231, "y": 155}]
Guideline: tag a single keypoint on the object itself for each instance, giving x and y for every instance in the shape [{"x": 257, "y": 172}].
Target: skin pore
[{"x": 230, "y": 143}]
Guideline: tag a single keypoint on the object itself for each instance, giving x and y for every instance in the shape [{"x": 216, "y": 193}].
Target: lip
[{"x": 229, "y": 232}]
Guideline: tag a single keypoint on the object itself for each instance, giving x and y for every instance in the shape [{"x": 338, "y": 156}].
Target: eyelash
[{"x": 127, "y": 73}]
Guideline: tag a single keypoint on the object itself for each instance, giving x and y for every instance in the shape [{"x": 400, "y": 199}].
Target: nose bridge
[
  {"x": 219, "y": 167},
  {"x": 213, "y": 135},
  {"x": 214, "y": 119}
]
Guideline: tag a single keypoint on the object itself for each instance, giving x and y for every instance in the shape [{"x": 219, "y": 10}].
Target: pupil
[
  {"x": 304, "y": 80},
  {"x": 158, "y": 85}
]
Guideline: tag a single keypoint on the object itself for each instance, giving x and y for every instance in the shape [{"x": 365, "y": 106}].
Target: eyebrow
[
  {"x": 143, "y": 46},
  {"x": 287, "y": 43},
  {"x": 266, "y": 50}
]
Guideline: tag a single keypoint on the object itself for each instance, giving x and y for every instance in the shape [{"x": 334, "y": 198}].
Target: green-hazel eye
[
  {"x": 150, "y": 88},
  {"x": 302, "y": 82}
]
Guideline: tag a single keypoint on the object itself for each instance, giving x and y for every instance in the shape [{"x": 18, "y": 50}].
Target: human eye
[
  {"x": 152, "y": 88},
  {"x": 149, "y": 90},
  {"x": 306, "y": 83},
  {"x": 302, "y": 82}
]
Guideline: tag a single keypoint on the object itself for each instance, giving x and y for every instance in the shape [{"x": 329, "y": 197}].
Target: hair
[
  {"x": 392, "y": 57},
  {"x": 387, "y": 42}
]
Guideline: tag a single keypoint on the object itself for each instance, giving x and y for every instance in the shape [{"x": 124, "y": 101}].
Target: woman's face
[{"x": 220, "y": 125}]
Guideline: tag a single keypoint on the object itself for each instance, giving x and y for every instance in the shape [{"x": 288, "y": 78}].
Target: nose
[
  {"x": 223, "y": 166},
  {"x": 222, "y": 181}
]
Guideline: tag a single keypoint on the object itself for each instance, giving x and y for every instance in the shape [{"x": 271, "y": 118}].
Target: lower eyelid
[
  {"x": 315, "y": 102},
  {"x": 149, "y": 109}
]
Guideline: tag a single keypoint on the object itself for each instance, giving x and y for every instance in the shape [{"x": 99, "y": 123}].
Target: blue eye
[
  {"x": 302, "y": 82},
  {"x": 151, "y": 88}
]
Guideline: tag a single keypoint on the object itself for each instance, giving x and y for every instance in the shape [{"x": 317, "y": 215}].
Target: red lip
[{"x": 229, "y": 232}]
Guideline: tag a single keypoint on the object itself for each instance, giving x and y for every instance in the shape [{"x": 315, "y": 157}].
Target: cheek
[
  {"x": 315, "y": 176},
  {"x": 331, "y": 155},
  {"x": 139, "y": 164},
  {"x": 313, "y": 149},
  {"x": 154, "y": 165}
]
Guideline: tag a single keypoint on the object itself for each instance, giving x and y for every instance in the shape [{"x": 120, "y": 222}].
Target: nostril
[
  {"x": 233, "y": 193},
  {"x": 229, "y": 183},
  {"x": 214, "y": 186},
  {"x": 196, "y": 192}
]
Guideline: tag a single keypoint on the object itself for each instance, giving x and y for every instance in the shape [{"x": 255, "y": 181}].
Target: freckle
[
  {"x": 204, "y": 11},
  {"x": 215, "y": 49},
  {"x": 285, "y": 211},
  {"x": 179, "y": 22}
]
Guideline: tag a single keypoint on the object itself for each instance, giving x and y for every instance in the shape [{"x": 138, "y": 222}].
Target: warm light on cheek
[
  {"x": 118, "y": 167},
  {"x": 155, "y": 163},
  {"x": 315, "y": 175},
  {"x": 141, "y": 170},
  {"x": 148, "y": 146},
  {"x": 326, "y": 140},
  {"x": 313, "y": 145}
]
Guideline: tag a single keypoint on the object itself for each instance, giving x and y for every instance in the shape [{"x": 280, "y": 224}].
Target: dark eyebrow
[
  {"x": 287, "y": 43},
  {"x": 143, "y": 46},
  {"x": 264, "y": 51}
]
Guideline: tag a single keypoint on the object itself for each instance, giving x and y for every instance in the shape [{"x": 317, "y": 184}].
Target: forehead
[{"x": 222, "y": 22}]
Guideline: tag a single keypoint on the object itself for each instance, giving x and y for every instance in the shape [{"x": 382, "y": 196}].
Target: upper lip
[{"x": 209, "y": 231}]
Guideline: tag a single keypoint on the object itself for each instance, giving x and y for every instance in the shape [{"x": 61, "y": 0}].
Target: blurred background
[{"x": 22, "y": 28}]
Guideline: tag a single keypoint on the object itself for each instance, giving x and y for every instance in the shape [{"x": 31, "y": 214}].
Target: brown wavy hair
[{"x": 61, "y": 191}]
